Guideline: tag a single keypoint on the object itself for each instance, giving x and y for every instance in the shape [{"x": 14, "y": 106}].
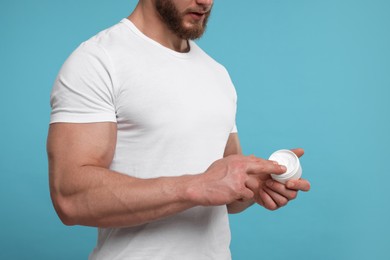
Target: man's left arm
[{"x": 268, "y": 193}]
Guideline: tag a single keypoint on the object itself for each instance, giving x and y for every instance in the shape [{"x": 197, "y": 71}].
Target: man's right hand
[{"x": 232, "y": 178}]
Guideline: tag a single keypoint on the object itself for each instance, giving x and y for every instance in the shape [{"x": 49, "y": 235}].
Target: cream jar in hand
[{"x": 291, "y": 161}]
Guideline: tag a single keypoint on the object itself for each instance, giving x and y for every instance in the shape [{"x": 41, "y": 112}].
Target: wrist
[{"x": 191, "y": 189}]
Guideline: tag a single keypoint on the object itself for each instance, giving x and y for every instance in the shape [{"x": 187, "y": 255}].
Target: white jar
[{"x": 291, "y": 161}]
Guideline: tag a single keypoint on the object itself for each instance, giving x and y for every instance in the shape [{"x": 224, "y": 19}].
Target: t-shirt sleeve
[
  {"x": 83, "y": 90},
  {"x": 234, "y": 129}
]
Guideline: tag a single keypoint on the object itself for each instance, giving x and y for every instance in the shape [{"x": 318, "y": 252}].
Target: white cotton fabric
[{"x": 174, "y": 113}]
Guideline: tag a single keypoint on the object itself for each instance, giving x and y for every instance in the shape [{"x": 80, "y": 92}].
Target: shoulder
[
  {"x": 108, "y": 41},
  {"x": 112, "y": 35},
  {"x": 100, "y": 48}
]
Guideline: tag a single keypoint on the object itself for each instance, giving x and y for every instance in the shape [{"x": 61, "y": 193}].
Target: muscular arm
[{"x": 85, "y": 192}]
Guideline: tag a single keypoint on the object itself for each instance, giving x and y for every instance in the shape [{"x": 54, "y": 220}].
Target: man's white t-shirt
[{"x": 174, "y": 113}]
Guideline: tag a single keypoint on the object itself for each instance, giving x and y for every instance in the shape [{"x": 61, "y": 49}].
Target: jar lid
[{"x": 291, "y": 161}]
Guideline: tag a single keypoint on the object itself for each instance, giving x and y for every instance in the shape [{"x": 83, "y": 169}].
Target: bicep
[
  {"x": 78, "y": 144},
  {"x": 232, "y": 145}
]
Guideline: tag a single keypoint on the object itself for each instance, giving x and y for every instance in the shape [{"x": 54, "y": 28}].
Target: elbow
[{"x": 65, "y": 209}]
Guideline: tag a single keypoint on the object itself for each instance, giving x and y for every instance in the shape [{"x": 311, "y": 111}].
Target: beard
[{"x": 174, "y": 20}]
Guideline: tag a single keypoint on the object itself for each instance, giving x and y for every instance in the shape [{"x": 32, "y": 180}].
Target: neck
[{"x": 148, "y": 21}]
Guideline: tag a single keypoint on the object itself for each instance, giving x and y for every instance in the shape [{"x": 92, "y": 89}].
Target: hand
[
  {"x": 230, "y": 179},
  {"x": 273, "y": 195}
]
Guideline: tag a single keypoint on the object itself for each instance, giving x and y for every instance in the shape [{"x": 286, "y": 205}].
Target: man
[{"x": 143, "y": 144}]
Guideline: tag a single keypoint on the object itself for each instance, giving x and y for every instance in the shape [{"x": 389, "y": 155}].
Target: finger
[
  {"x": 258, "y": 199},
  {"x": 262, "y": 167},
  {"x": 252, "y": 183},
  {"x": 281, "y": 189},
  {"x": 298, "y": 151},
  {"x": 268, "y": 202},
  {"x": 301, "y": 184},
  {"x": 246, "y": 194},
  {"x": 276, "y": 197}
]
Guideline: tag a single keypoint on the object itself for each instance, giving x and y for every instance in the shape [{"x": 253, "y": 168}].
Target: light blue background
[{"x": 309, "y": 73}]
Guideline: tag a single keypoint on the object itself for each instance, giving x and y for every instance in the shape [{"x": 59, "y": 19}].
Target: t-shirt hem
[{"x": 81, "y": 118}]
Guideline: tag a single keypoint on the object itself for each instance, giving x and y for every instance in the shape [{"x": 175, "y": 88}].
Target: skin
[
  {"x": 147, "y": 20},
  {"x": 267, "y": 192},
  {"x": 85, "y": 191}
]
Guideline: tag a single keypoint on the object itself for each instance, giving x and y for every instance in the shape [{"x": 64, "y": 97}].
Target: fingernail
[{"x": 283, "y": 167}]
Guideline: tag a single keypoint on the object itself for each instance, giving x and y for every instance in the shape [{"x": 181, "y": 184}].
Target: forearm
[
  {"x": 233, "y": 147},
  {"x": 108, "y": 199},
  {"x": 239, "y": 206},
  {"x": 85, "y": 192}
]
